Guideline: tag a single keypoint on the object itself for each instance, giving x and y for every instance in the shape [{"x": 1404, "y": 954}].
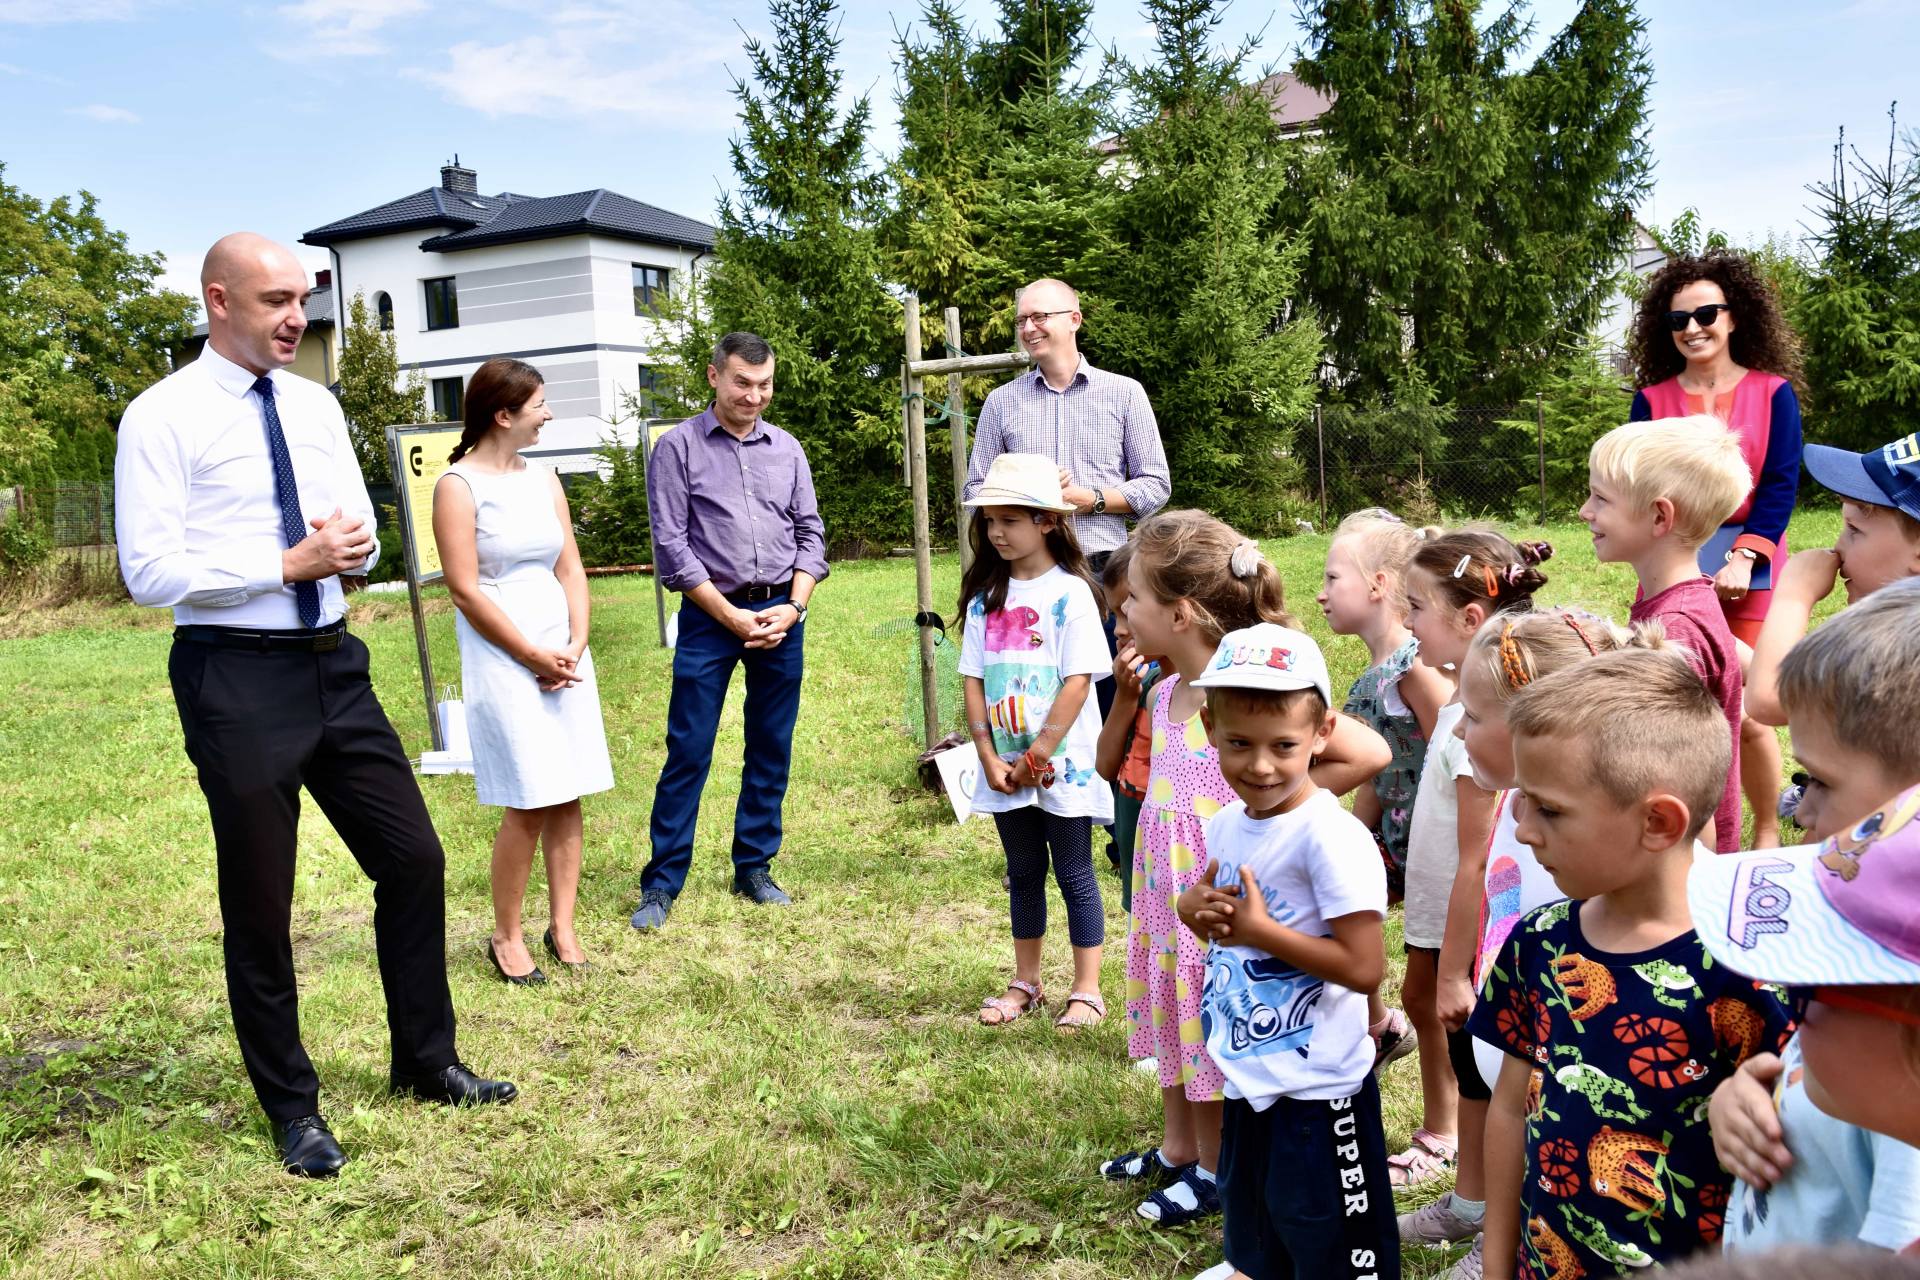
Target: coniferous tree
[
  {"x": 796, "y": 261},
  {"x": 1859, "y": 317},
  {"x": 1465, "y": 216},
  {"x": 1197, "y": 304}
]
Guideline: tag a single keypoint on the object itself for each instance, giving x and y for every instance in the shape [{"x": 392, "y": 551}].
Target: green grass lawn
[{"x": 751, "y": 1093}]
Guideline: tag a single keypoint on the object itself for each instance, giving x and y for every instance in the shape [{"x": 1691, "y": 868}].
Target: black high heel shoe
[
  {"x": 534, "y": 979},
  {"x": 572, "y": 966}
]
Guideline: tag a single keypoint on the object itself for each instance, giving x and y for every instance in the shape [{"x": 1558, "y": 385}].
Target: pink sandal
[
  {"x": 1428, "y": 1156},
  {"x": 1007, "y": 1009},
  {"x": 1067, "y": 1022}
]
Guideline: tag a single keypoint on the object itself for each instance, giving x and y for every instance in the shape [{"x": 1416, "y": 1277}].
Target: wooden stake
[
  {"x": 957, "y": 431},
  {"x": 922, "y": 532}
]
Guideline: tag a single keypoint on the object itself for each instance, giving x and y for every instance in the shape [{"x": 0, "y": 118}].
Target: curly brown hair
[{"x": 1762, "y": 338}]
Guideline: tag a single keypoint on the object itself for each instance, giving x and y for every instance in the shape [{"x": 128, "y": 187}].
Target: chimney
[
  {"x": 323, "y": 279},
  {"x": 454, "y": 177}
]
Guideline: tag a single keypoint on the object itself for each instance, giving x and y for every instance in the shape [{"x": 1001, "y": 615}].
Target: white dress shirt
[{"x": 195, "y": 513}]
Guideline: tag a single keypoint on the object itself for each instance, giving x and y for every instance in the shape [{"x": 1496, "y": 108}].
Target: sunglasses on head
[{"x": 1677, "y": 320}]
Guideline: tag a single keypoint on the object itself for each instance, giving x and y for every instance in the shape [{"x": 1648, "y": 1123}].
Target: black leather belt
[
  {"x": 318, "y": 640},
  {"x": 760, "y": 594}
]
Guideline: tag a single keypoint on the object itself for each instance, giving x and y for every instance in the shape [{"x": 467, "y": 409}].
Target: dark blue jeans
[{"x": 703, "y": 662}]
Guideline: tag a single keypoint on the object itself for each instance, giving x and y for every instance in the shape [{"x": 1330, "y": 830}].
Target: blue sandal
[
  {"x": 1206, "y": 1195},
  {"x": 1142, "y": 1167}
]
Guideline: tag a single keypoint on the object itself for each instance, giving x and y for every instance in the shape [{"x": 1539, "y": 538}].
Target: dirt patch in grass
[{"x": 62, "y": 1084}]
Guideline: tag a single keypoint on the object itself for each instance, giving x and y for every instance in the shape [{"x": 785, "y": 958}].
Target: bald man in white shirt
[{"x": 238, "y": 503}]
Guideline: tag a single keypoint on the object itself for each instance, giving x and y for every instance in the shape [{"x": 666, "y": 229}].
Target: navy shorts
[{"x": 1305, "y": 1192}]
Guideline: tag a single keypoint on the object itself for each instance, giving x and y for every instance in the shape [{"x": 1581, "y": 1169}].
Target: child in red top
[{"x": 1656, "y": 492}]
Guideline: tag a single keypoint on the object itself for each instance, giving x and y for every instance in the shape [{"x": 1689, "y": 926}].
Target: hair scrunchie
[
  {"x": 1245, "y": 561},
  {"x": 1511, "y": 663}
]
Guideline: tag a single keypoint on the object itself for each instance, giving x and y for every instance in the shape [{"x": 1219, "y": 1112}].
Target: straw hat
[{"x": 1022, "y": 480}]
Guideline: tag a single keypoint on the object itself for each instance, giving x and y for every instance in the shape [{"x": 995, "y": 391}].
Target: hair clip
[
  {"x": 1462, "y": 566},
  {"x": 1245, "y": 560},
  {"x": 1492, "y": 580},
  {"x": 1511, "y": 663}
]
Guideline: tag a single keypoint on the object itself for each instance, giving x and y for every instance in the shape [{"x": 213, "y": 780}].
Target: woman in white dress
[{"x": 533, "y": 710}]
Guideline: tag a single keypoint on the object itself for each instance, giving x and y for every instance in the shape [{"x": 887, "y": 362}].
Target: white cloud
[
  {"x": 101, "y": 113},
  {"x": 46, "y": 12},
  {"x": 344, "y": 28},
  {"x": 594, "y": 62}
]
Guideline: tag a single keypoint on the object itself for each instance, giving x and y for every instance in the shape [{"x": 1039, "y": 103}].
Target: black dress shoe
[
  {"x": 455, "y": 1085},
  {"x": 534, "y": 979},
  {"x": 307, "y": 1148},
  {"x": 759, "y": 886},
  {"x": 572, "y": 966}
]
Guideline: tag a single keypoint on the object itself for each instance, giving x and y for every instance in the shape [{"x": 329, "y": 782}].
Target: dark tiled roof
[
  {"x": 320, "y": 312},
  {"x": 436, "y": 207},
  {"x": 602, "y": 211}
]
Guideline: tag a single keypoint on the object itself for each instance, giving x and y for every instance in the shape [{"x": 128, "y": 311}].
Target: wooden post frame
[
  {"x": 914, "y": 374},
  {"x": 417, "y": 455},
  {"x": 957, "y": 433}
]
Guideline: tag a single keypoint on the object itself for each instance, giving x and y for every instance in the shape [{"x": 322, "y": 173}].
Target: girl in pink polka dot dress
[{"x": 1191, "y": 580}]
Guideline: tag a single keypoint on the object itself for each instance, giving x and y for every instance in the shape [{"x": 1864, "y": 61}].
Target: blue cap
[{"x": 1887, "y": 477}]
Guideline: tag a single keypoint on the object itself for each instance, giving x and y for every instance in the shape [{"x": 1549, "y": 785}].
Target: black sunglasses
[{"x": 1677, "y": 320}]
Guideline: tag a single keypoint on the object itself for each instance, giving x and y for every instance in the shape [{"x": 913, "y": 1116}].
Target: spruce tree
[
  {"x": 1465, "y": 215},
  {"x": 1197, "y": 302},
  {"x": 796, "y": 261}
]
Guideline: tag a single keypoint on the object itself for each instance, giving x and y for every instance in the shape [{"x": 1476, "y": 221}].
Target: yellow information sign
[{"x": 419, "y": 456}]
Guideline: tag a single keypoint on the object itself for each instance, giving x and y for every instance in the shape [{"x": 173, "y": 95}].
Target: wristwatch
[
  {"x": 1748, "y": 552},
  {"x": 800, "y": 609},
  {"x": 1099, "y": 502}
]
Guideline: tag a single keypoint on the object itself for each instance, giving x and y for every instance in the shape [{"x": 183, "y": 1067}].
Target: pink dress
[{"x": 1166, "y": 964}]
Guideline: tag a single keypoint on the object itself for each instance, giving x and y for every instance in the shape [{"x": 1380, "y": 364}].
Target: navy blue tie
[{"x": 292, "y": 526}]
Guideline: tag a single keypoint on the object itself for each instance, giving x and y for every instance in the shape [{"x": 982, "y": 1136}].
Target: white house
[{"x": 567, "y": 283}]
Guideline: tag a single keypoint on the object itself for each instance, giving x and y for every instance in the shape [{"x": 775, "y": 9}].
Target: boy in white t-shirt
[{"x": 1291, "y": 904}]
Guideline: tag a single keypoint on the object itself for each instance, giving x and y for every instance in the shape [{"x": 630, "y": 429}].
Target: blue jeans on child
[{"x": 703, "y": 661}]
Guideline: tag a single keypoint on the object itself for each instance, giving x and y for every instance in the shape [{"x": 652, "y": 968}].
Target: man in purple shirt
[{"x": 737, "y": 532}]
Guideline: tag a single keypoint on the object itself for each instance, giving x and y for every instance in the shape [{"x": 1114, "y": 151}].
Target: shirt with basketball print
[{"x": 1625, "y": 1050}]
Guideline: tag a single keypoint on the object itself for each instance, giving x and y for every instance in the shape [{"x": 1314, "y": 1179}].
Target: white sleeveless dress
[{"x": 530, "y": 749}]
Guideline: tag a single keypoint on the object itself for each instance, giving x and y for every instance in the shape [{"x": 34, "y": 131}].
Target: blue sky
[{"x": 192, "y": 119}]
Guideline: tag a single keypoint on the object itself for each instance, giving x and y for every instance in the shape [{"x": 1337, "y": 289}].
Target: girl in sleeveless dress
[{"x": 533, "y": 709}]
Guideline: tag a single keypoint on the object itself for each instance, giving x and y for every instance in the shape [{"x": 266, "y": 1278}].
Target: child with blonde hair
[
  {"x": 1615, "y": 1022},
  {"x": 1191, "y": 580},
  {"x": 1657, "y": 491}
]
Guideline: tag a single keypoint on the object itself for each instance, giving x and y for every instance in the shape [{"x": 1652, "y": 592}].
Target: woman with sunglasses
[{"x": 1710, "y": 338}]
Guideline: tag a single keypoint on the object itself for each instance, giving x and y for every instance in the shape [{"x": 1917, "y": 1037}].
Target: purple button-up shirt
[{"x": 737, "y": 513}]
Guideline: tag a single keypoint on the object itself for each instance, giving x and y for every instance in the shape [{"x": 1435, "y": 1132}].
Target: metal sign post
[{"x": 418, "y": 456}]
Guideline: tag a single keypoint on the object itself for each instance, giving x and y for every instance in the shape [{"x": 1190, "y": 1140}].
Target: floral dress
[
  {"x": 1375, "y": 701},
  {"x": 1166, "y": 963}
]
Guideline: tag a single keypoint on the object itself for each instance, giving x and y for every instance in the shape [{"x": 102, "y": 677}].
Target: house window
[
  {"x": 383, "y": 306},
  {"x": 449, "y": 399},
  {"x": 643, "y": 397},
  {"x": 649, "y": 289},
  {"x": 443, "y": 304}
]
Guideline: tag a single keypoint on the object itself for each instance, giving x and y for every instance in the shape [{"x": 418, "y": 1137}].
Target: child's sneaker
[
  {"x": 1469, "y": 1267},
  {"x": 1437, "y": 1224},
  {"x": 1428, "y": 1156},
  {"x": 1393, "y": 1039},
  {"x": 1219, "y": 1271},
  {"x": 1147, "y": 1066}
]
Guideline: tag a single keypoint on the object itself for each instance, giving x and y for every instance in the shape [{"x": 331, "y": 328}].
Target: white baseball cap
[{"x": 1267, "y": 656}]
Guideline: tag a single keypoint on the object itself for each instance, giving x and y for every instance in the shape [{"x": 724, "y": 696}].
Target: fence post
[
  {"x": 922, "y": 530},
  {"x": 1540, "y": 428},
  {"x": 1320, "y": 430},
  {"x": 957, "y": 435}
]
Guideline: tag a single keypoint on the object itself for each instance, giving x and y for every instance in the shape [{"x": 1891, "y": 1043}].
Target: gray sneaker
[
  {"x": 759, "y": 886},
  {"x": 1437, "y": 1224},
  {"x": 1469, "y": 1267},
  {"x": 654, "y": 906}
]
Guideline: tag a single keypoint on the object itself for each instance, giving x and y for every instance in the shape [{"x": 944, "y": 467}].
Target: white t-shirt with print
[
  {"x": 1272, "y": 1030},
  {"x": 1516, "y": 884},
  {"x": 1433, "y": 840},
  {"x": 1048, "y": 629}
]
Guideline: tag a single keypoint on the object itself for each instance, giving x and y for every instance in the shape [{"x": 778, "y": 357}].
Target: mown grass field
[{"x": 751, "y": 1093}]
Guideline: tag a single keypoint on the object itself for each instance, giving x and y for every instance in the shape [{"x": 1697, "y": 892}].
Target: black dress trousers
[{"x": 258, "y": 726}]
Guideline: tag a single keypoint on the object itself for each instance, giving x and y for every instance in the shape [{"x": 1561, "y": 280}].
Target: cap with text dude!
[{"x": 1267, "y": 656}]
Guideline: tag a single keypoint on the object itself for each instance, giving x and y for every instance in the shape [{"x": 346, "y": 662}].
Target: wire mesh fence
[{"x": 75, "y": 520}]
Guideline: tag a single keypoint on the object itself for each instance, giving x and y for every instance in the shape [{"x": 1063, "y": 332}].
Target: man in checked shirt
[{"x": 1097, "y": 427}]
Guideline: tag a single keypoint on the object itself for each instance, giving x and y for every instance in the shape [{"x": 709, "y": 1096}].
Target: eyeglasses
[
  {"x": 1026, "y": 318},
  {"x": 1705, "y": 316},
  {"x": 1857, "y": 1001}
]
